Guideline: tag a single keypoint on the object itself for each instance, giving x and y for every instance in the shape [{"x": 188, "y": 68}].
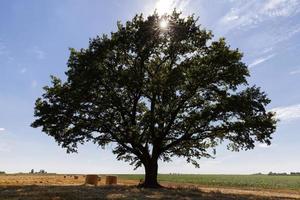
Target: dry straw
[
  {"x": 110, "y": 180},
  {"x": 92, "y": 179}
]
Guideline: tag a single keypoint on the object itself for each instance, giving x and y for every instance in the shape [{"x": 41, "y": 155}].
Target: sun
[{"x": 163, "y": 24}]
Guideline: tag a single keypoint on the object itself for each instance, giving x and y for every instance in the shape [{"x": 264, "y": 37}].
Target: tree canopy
[{"x": 156, "y": 92}]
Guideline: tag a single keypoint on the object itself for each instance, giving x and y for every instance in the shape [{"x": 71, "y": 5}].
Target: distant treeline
[
  {"x": 2, "y": 172},
  {"x": 42, "y": 171},
  {"x": 284, "y": 174}
]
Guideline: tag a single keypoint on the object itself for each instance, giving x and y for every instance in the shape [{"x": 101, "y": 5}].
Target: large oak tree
[{"x": 156, "y": 92}]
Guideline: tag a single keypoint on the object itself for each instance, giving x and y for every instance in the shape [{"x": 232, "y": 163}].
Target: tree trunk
[{"x": 151, "y": 169}]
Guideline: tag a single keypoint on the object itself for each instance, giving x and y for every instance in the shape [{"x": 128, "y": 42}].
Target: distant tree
[
  {"x": 32, "y": 171},
  {"x": 42, "y": 171},
  {"x": 277, "y": 174},
  {"x": 156, "y": 92},
  {"x": 295, "y": 173}
]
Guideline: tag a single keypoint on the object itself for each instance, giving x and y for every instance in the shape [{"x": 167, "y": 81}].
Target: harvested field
[{"x": 56, "y": 187}]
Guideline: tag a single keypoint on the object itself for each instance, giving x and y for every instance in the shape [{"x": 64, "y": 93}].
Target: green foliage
[{"x": 156, "y": 93}]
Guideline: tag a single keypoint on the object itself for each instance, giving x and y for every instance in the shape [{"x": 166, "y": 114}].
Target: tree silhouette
[{"x": 156, "y": 92}]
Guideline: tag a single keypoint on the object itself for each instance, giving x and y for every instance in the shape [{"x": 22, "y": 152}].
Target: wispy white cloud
[
  {"x": 260, "y": 60},
  {"x": 280, "y": 7},
  {"x": 289, "y": 33},
  {"x": 287, "y": 113},
  {"x": 167, "y": 6},
  {"x": 263, "y": 145},
  {"x": 23, "y": 70},
  {"x": 295, "y": 72},
  {"x": 39, "y": 54},
  {"x": 2, "y": 48},
  {"x": 2, "y": 129},
  {"x": 267, "y": 50},
  {"x": 5, "y": 53},
  {"x": 252, "y": 12}
]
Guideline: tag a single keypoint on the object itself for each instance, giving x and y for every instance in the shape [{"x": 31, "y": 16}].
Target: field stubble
[{"x": 58, "y": 187}]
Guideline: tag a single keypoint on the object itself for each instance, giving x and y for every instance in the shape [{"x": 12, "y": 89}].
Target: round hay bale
[
  {"x": 65, "y": 176},
  {"x": 92, "y": 179},
  {"x": 75, "y": 177},
  {"x": 111, "y": 180}
]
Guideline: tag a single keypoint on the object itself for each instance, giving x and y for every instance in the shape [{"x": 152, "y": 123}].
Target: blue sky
[{"x": 34, "y": 40}]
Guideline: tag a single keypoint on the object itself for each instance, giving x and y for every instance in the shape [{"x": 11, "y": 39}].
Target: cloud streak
[
  {"x": 295, "y": 72},
  {"x": 260, "y": 60},
  {"x": 288, "y": 113}
]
